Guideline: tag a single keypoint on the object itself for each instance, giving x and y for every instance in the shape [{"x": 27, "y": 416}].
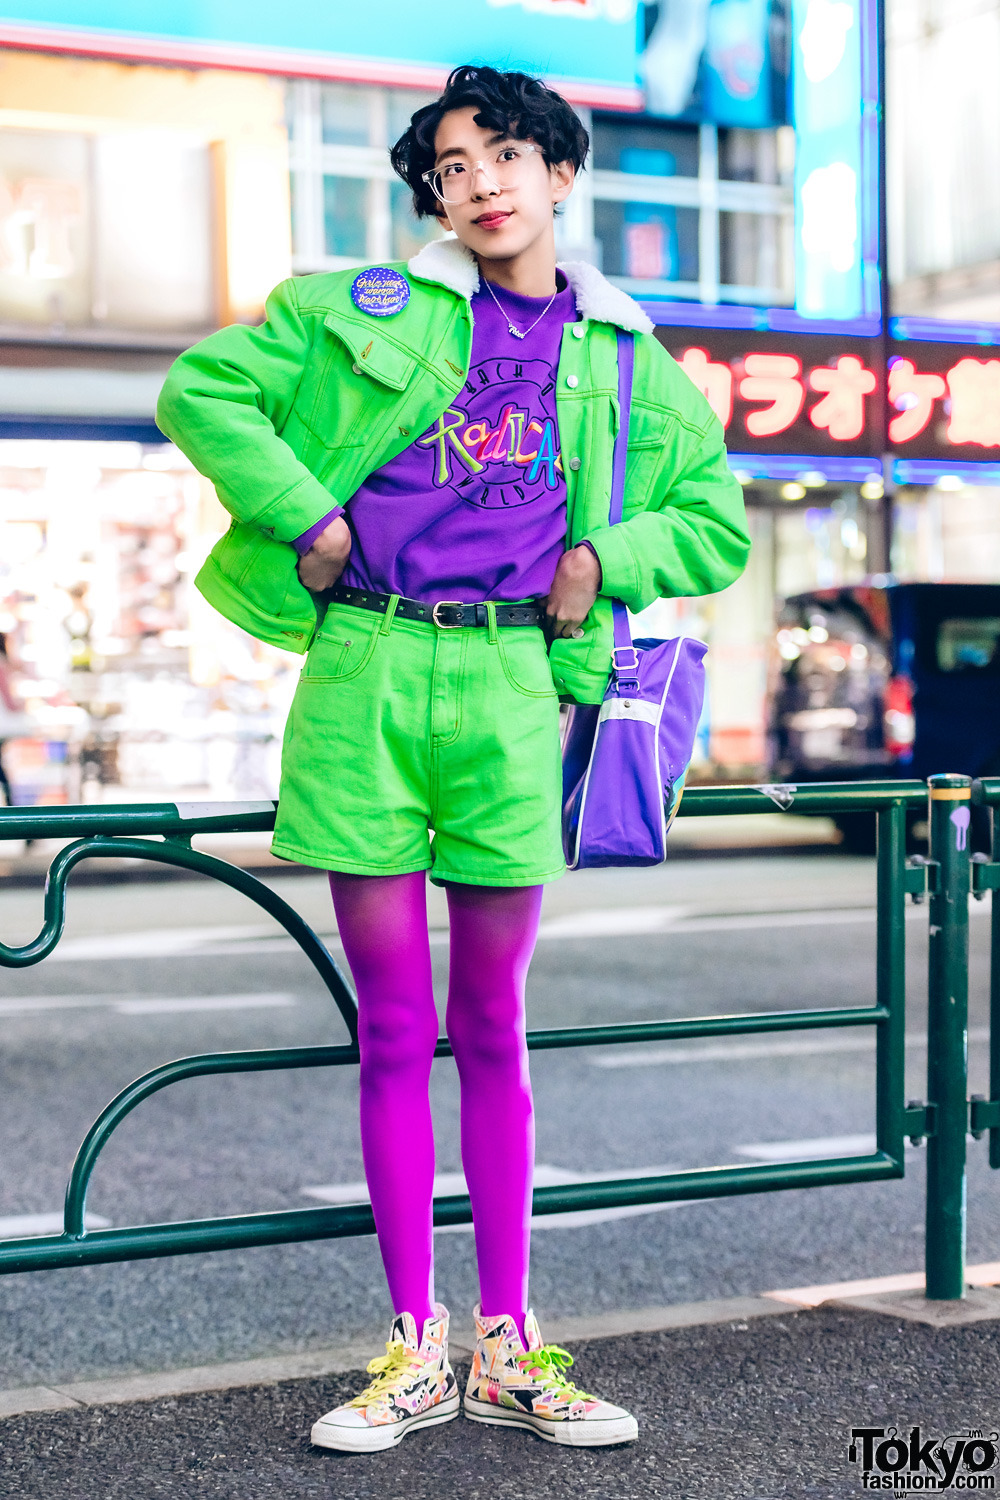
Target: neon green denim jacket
[{"x": 288, "y": 419}]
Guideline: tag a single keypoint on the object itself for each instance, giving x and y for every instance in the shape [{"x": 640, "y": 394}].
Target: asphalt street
[
  {"x": 740, "y": 1411},
  {"x": 148, "y": 972}
]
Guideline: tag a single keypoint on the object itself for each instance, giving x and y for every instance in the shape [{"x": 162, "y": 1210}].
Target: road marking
[
  {"x": 730, "y": 1052},
  {"x": 626, "y": 921},
  {"x": 807, "y": 1150},
  {"x": 180, "y": 1003},
  {"x": 447, "y": 1183},
  {"x": 159, "y": 942},
  {"x": 987, "y": 1274},
  {"x": 671, "y": 920},
  {"x": 678, "y": 1052},
  {"x": 22, "y": 1226},
  {"x": 38, "y": 1004},
  {"x": 258, "y": 948},
  {"x": 128, "y": 1005},
  {"x": 603, "y": 922},
  {"x": 678, "y": 920}
]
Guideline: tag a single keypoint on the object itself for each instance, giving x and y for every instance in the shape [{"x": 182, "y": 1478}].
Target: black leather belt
[{"x": 449, "y": 614}]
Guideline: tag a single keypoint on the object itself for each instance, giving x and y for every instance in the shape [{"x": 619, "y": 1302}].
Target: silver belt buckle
[{"x": 445, "y": 604}]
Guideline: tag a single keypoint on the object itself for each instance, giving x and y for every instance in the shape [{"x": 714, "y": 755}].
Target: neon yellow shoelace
[
  {"x": 549, "y": 1362},
  {"x": 388, "y": 1369}
]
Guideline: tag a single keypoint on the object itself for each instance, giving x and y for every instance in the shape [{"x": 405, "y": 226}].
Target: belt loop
[
  {"x": 390, "y": 611},
  {"x": 491, "y": 617}
]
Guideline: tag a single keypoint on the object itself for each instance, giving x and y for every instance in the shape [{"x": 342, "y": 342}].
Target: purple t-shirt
[{"x": 474, "y": 508}]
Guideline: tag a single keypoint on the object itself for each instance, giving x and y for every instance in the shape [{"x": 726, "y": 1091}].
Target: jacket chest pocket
[
  {"x": 363, "y": 379},
  {"x": 646, "y": 439}
]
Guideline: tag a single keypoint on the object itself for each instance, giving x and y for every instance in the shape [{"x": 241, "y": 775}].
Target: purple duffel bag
[{"x": 625, "y": 760}]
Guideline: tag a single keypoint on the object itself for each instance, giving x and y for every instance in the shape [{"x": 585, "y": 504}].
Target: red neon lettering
[
  {"x": 913, "y": 396},
  {"x": 714, "y": 380},
  {"x": 775, "y": 378},
  {"x": 842, "y": 409},
  {"x": 974, "y": 387}
]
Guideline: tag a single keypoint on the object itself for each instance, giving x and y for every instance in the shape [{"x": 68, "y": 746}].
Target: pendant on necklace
[{"x": 515, "y": 331}]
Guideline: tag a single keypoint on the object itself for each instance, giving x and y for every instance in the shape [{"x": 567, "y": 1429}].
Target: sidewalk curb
[
  {"x": 897, "y": 1296},
  {"x": 340, "y": 1360}
]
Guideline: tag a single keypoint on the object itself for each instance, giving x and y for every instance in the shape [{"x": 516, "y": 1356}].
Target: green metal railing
[{"x": 163, "y": 833}]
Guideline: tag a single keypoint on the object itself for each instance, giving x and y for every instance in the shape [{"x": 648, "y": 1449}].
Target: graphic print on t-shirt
[{"x": 498, "y": 444}]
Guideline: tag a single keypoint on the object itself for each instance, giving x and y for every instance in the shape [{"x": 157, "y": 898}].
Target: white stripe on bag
[{"x": 630, "y": 708}]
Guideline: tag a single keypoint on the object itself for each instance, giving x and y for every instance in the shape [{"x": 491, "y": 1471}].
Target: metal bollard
[
  {"x": 947, "y": 1036},
  {"x": 995, "y": 987}
]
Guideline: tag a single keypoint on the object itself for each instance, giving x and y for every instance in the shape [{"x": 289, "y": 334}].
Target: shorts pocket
[
  {"x": 525, "y": 662},
  {"x": 343, "y": 646}
]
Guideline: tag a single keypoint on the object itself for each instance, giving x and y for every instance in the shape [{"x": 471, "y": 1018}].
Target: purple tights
[{"x": 383, "y": 927}]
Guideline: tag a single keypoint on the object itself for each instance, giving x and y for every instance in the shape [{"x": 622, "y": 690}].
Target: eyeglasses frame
[{"x": 479, "y": 166}]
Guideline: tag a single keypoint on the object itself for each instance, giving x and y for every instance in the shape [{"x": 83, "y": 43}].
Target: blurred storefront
[
  {"x": 862, "y": 410},
  {"x": 140, "y": 207},
  {"x": 150, "y": 187},
  {"x": 154, "y": 185},
  {"x": 127, "y": 678}
]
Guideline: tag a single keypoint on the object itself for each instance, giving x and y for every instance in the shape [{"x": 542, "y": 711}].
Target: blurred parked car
[{"x": 874, "y": 682}]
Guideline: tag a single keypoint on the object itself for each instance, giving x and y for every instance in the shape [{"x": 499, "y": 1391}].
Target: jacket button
[
  {"x": 572, "y": 381},
  {"x": 574, "y": 462},
  {"x": 356, "y": 369},
  {"x": 578, "y": 330}
]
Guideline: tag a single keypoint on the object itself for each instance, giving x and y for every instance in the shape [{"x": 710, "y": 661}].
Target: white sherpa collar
[
  {"x": 448, "y": 262},
  {"x": 451, "y": 264}
]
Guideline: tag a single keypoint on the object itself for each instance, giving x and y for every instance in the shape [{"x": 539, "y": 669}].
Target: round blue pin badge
[{"x": 381, "y": 291}]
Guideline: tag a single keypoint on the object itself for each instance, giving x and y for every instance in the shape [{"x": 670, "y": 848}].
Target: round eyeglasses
[{"x": 453, "y": 183}]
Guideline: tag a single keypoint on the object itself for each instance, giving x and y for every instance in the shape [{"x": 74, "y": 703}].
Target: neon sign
[
  {"x": 777, "y": 379},
  {"x": 913, "y": 396},
  {"x": 786, "y": 393},
  {"x": 974, "y": 387},
  {"x": 953, "y": 407},
  {"x": 773, "y": 387},
  {"x": 842, "y": 410},
  {"x": 713, "y": 379}
]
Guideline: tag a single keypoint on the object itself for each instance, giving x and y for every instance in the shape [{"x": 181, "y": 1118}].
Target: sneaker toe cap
[
  {"x": 342, "y": 1418},
  {"x": 605, "y": 1411}
]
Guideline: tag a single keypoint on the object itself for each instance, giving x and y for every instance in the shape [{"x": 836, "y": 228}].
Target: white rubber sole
[
  {"x": 386, "y": 1435},
  {"x": 579, "y": 1433}
]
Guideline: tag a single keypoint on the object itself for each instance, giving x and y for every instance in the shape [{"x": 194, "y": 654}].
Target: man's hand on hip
[
  {"x": 322, "y": 565},
  {"x": 573, "y": 592}
]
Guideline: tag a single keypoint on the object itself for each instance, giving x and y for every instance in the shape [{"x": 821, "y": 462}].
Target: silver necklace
[{"x": 510, "y": 327}]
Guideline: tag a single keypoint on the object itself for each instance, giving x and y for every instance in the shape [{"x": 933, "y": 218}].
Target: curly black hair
[{"x": 512, "y": 103}]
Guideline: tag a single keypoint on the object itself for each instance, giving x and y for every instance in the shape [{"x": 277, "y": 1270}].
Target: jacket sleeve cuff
[
  {"x": 304, "y": 542},
  {"x": 303, "y": 507},
  {"x": 591, "y": 548},
  {"x": 619, "y": 577}
]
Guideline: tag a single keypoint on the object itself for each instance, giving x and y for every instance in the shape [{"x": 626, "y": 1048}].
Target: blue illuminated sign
[
  {"x": 836, "y": 247},
  {"x": 715, "y": 61},
  {"x": 392, "y": 41}
]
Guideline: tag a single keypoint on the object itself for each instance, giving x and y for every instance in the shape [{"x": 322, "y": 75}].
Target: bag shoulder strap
[
  {"x": 626, "y": 364},
  {"x": 624, "y": 657}
]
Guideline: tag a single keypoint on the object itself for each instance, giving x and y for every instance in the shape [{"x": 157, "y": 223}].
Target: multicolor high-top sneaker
[
  {"x": 414, "y": 1386},
  {"x": 528, "y": 1388}
]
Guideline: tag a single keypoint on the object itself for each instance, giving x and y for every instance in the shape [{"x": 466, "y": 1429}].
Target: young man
[{"x": 417, "y": 459}]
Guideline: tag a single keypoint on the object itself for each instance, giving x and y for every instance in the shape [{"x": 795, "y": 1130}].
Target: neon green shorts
[{"x": 402, "y": 728}]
